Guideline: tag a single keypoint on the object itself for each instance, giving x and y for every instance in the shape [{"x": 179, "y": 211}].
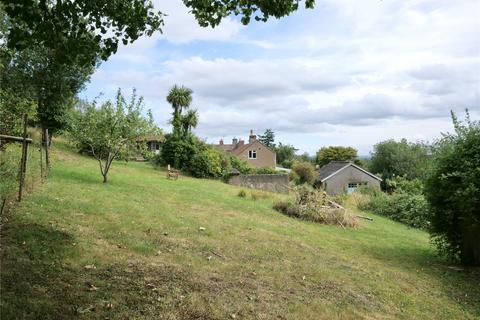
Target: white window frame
[{"x": 252, "y": 154}]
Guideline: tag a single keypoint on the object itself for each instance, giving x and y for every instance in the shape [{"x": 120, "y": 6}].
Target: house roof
[
  {"x": 238, "y": 148},
  {"x": 334, "y": 167}
]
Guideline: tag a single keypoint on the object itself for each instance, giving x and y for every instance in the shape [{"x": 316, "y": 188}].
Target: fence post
[
  {"x": 23, "y": 164},
  {"x": 41, "y": 158},
  {"x": 47, "y": 155}
]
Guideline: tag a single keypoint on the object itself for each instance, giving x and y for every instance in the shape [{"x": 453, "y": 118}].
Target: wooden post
[
  {"x": 47, "y": 154},
  {"x": 23, "y": 164},
  {"x": 41, "y": 158}
]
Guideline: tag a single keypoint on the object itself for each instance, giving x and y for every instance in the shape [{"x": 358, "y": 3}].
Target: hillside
[{"x": 135, "y": 248}]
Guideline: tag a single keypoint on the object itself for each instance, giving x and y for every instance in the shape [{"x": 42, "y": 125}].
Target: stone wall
[{"x": 268, "y": 182}]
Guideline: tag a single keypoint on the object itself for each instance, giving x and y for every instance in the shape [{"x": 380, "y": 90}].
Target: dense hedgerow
[{"x": 406, "y": 204}]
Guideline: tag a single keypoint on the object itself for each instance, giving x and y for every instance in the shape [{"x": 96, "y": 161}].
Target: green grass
[{"x": 141, "y": 231}]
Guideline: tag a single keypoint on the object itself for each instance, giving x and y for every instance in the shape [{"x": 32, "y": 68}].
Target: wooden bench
[{"x": 172, "y": 173}]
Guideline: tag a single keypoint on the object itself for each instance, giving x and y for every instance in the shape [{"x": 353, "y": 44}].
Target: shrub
[
  {"x": 453, "y": 191},
  {"x": 208, "y": 162},
  {"x": 241, "y": 165},
  {"x": 9, "y": 165},
  {"x": 281, "y": 206},
  {"x": 265, "y": 170},
  {"x": 410, "y": 209},
  {"x": 177, "y": 151},
  {"x": 293, "y": 177},
  {"x": 242, "y": 193},
  {"x": 305, "y": 172}
]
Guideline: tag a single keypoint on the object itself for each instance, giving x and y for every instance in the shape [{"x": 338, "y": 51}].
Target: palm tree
[
  {"x": 180, "y": 98},
  {"x": 189, "y": 121}
]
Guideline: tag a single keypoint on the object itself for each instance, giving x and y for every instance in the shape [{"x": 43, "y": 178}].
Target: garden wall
[{"x": 268, "y": 182}]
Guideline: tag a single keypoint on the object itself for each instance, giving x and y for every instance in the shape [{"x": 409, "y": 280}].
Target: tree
[
  {"x": 304, "y": 171},
  {"x": 285, "y": 154},
  {"x": 180, "y": 98},
  {"x": 189, "y": 121},
  {"x": 391, "y": 158},
  {"x": 35, "y": 74},
  {"x": 112, "y": 129},
  {"x": 452, "y": 189},
  {"x": 335, "y": 153},
  {"x": 82, "y": 30},
  {"x": 211, "y": 13},
  {"x": 268, "y": 138}
]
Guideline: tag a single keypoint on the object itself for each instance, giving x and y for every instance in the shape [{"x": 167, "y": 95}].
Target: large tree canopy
[
  {"x": 335, "y": 153},
  {"x": 83, "y": 30},
  {"x": 79, "y": 30},
  {"x": 211, "y": 13}
]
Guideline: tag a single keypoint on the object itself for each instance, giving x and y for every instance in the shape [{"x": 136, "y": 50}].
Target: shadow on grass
[
  {"x": 460, "y": 284},
  {"x": 37, "y": 282},
  {"x": 33, "y": 280}
]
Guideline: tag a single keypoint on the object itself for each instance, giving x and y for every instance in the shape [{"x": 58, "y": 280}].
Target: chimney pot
[
  {"x": 234, "y": 141},
  {"x": 221, "y": 142}
]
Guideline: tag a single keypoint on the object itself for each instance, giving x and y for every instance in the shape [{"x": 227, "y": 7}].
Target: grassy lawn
[{"x": 143, "y": 234}]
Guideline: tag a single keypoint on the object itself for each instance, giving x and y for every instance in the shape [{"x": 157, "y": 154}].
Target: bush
[
  {"x": 208, "y": 162},
  {"x": 305, "y": 172},
  {"x": 242, "y": 193},
  {"x": 241, "y": 165},
  {"x": 293, "y": 177},
  {"x": 265, "y": 170},
  {"x": 453, "y": 191},
  {"x": 9, "y": 167},
  {"x": 177, "y": 151},
  {"x": 410, "y": 209}
]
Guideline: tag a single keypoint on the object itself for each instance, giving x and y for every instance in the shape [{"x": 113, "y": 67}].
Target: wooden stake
[
  {"x": 47, "y": 154},
  {"x": 41, "y": 159},
  {"x": 23, "y": 163}
]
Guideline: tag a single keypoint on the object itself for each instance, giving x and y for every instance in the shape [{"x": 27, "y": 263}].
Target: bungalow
[
  {"x": 344, "y": 176},
  {"x": 254, "y": 152}
]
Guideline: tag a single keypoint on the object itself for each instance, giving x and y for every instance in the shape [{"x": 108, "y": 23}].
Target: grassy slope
[{"x": 142, "y": 233}]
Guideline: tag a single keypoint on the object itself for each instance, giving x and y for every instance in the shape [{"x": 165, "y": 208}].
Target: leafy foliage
[
  {"x": 335, "y": 153},
  {"x": 285, "y": 154},
  {"x": 12, "y": 108},
  {"x": 391, "y": 158},
  {"x": 208, "y": 162},
  {"x": 241, "y": 165},
  {"x": 268, "y": 139},
  {"x": 305, "y": 172},
  {"x": 112, "y": 129},
  {"x": 35, "y": 78},
  {"x": 453, "y": 191},
  {"x": 409, "y": 208},
  {"x": 9, "y": 168},
  {"x": 211, "y": 13},
  {"x": 79, "y": 31}
]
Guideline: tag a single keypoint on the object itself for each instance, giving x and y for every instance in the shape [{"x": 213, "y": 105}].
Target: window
[
  {"x": 252, "y": 154},
  {"x": 351, "y": 187}
]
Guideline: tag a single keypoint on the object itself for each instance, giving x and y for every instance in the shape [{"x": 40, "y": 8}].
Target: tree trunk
[
  {"x": 105, "y": 178},
  {"x": 45, "y": 139}
]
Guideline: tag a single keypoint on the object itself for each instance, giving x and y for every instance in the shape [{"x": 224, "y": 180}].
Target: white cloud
[{"x": 349, "y": 72}]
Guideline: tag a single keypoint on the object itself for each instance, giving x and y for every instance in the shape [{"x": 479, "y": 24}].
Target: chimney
[
  {"x": 234, "y": 141},
  {"x": 221, "y": 142},
  {"x": 252, "y": 137},
  {"x": 241, "y": 142}
]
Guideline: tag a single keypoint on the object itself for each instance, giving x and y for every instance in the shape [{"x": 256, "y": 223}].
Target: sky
[{"x": 349, "y": 73}]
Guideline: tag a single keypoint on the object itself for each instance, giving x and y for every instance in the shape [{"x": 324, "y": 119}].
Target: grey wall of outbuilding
[
  {"x": 338, "y": 183},
  {"x": 268, "y": 182}
]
